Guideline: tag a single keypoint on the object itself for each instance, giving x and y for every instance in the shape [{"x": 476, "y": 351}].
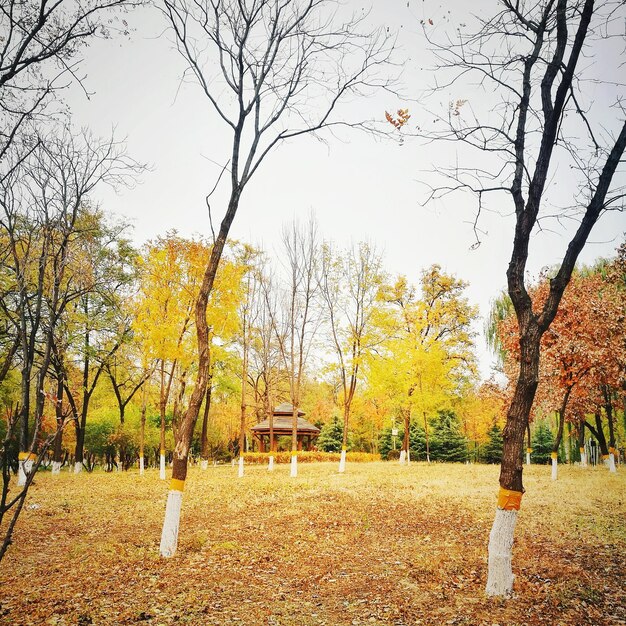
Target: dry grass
[{"x": 380, "y": 545}]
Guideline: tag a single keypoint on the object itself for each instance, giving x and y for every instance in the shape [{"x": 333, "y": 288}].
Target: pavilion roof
[{"x": 284, "y": 423}]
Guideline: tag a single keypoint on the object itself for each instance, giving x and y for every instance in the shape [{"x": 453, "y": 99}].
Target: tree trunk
[
  {"x": 270, "y": 416},
  {"x": 559, "y": 433},
  {"x": 427, "y": 438},
  {"x": 599, "y": 433},
  {"x": 500, "y": 575},
  {"x": 162, "y": 404},
  {"x": 57, "y": 455},
  {"x": 204, "y": 441},
  {"x": 608, "y": 408},
  {"x": 169, "y": 534},
  {"x": 294, "y": 441},
  {"x": 344, "y": 441},
  {"x": 581, "y": 444},
  {"x": 142, "y": 434},
  {"x": 406, "y": 438}
]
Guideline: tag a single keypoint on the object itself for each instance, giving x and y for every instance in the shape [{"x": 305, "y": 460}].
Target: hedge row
[{"x": 310, "y": 457}]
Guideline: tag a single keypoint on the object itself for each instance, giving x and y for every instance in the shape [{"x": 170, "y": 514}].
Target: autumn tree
[
  {"x": 430, "y": 355},
  {"x": 530, "y": 56},
  {"x": 350, "y": 285},
  {"x": 271, "y": 71},
  {"x": 170, "y": 274}
]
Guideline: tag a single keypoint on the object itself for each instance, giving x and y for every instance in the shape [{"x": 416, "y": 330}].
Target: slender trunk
[
  {"x": 608, "y": 408},
  {"x": 204, "y": 441},
  {"x": 406, "y": 437},
  {"x": 427, "y": 438},
  {"x": 294, "y": 441},
  {"x": 244, "y": 379},
  {"x": 162, "y": 404},
  {"x": 142, "y": 434},
  {"x": 529, "y": 449},
  {"x": 559, "y": 433},
  {"x": 57, "y": 455},
  {"x": 169, "y": 533},
  {"x": 270, "y": 416},
  {"x": 344, "y": 441},
  {"x": 581, "y": 445}
]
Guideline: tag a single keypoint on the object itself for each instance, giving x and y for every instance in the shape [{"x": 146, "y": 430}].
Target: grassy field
[{"x": 381, "y": 544}]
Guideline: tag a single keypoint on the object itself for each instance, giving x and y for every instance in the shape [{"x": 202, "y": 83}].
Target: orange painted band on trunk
[
  {"x": 612, "y": 451},
  {"x": 26, "y": 456},
  {"x": 177, "y": 485},
  {"x": 554, "y": 455},
  {"x": 604, "y": 457},
  {"x": 343, "y": 448},
  {"x": 509, "y": 500},
  {"x": 529, "y": 450},
  {"x": 582, "y": 450},
  {"x": 162, "y": 452}
]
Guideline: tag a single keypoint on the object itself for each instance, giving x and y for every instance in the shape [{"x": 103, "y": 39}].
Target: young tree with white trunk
[
  {"x": 350, "y": 286},
  {"x": 533, "y": 56},
  {"x": 271, "y": 70}
]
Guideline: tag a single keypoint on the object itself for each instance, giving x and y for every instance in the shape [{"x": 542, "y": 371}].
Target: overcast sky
[{"x": 359, "y": 188}]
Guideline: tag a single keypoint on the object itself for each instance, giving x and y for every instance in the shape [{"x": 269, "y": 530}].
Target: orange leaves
[{"x": 398, "y": 120}]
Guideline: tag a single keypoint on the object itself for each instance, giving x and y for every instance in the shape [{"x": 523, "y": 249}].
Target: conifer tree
[
  {"x": 447, "y": 442},
  {"x": 542, "y": 443},
  {"x": 492, "y": 450}
]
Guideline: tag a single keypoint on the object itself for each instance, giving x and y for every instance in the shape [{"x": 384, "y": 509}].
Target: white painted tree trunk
[
  {"x": 270, "y": 467},
  {"x": 169, "y": 534},
  {"x": 583, "y": 458},
  {"x": 24, "y": 468},
  {"x": 342, "y": 461},
  {"x": 528, "y": 458},
  {"x": 141, "y": 466},
  {"x": 204, "y": 464},
  {"x": 78, "y": 467},
  {"x": 402, "y": 457},
  {"x": 240, "y": 471},
  {"x": 612, "y": 467},
  {"x": 162, "y": 467},
  {"x": 294, "y": 466},
  {"x": 56, "y": 467},
  {"x": 555, "y": 468},
  {"x": 500, "y": 574},
  {"x": 408, "y": 456}
]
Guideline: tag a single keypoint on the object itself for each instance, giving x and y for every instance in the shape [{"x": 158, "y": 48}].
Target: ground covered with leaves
[{"x": 380, "y": 544}]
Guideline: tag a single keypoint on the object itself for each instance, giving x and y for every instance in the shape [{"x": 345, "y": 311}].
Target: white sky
[{"x": 359, "y": 189}]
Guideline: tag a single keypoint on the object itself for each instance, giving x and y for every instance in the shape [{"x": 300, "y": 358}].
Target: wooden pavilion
[{"x": 283, "y": 426}]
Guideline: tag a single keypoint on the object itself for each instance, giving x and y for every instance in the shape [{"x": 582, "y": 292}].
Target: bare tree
[
  {"x": 301, "y": 314},
  {"x": 272, "y": 70},
  {"x": 269, "y": 379},
  {"x": 40, "y": 55},
  {"x": 534, "y": 57}
]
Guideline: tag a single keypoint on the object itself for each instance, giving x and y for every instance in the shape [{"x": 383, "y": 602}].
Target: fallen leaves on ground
[{"x": 381, "y": 544}]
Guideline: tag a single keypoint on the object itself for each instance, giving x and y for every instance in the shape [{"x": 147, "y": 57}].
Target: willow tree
[
  {"x": 533, "y": 58},
  {"x": 272, "y": 71}
]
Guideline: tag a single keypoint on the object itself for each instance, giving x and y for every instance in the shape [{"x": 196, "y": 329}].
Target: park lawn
[{"x": 381, "y": 544}]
